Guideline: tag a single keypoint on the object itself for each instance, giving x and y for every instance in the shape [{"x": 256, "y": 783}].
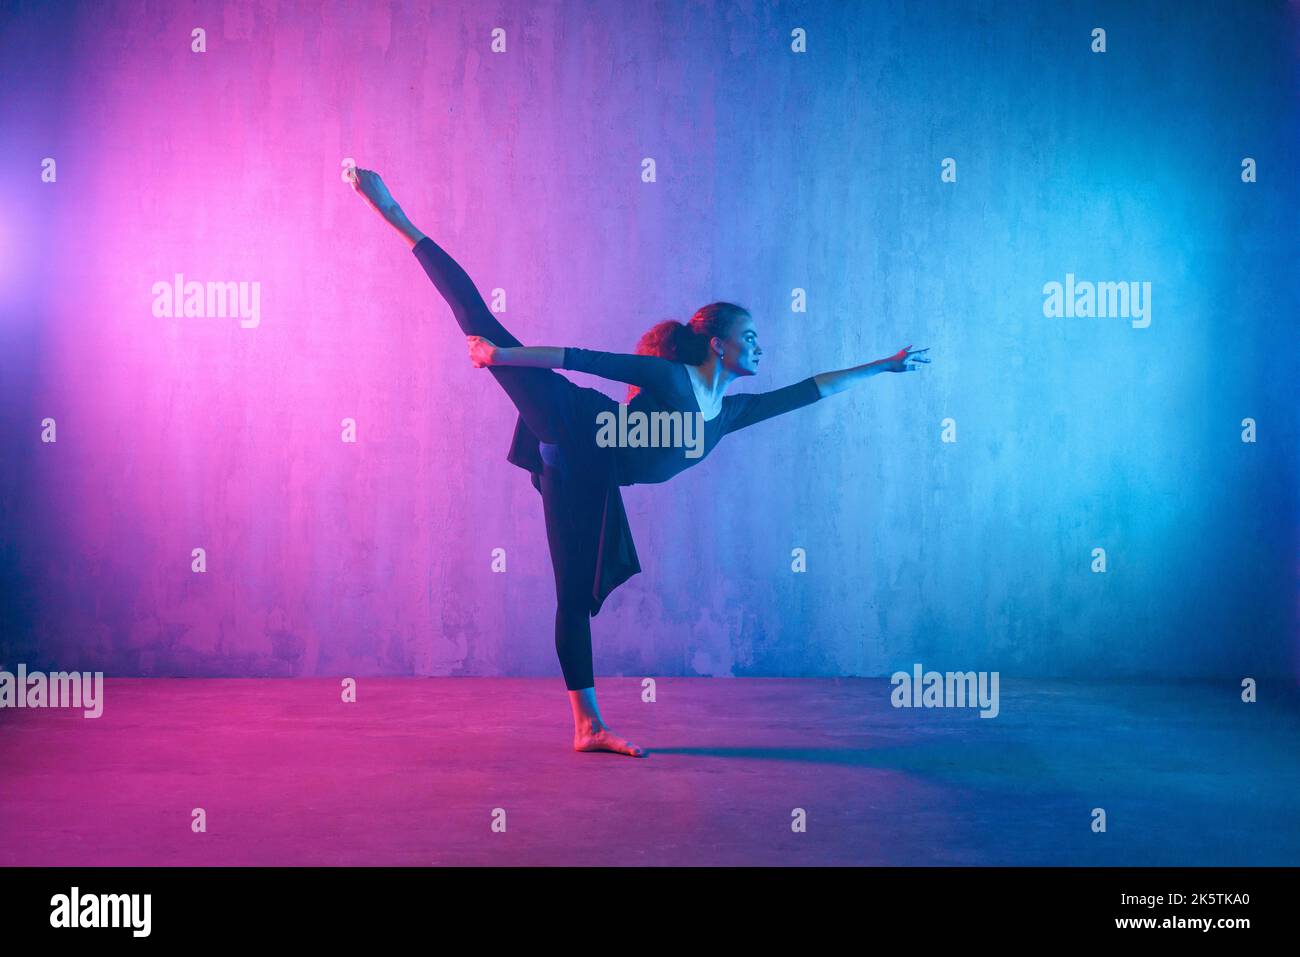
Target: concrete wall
[{"x": 775, "y": 170}]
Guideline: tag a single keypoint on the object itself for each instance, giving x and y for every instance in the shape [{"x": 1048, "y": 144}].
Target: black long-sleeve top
[{"x": 666, "y": 387}]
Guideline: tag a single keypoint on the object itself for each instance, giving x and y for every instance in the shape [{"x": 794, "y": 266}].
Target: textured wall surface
[{"x": 775, "y": 170}]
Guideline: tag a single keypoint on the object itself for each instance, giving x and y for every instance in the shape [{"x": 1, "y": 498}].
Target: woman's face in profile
[{"x": 741, "y": 350}]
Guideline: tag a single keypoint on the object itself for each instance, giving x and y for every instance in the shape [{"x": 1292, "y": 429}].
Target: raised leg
[
  {"x": 542, "y": 396},
  {"x": 471, "y": 312}
]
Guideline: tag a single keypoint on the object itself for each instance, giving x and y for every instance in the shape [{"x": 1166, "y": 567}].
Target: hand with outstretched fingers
[{"x": 905, "y": 360}]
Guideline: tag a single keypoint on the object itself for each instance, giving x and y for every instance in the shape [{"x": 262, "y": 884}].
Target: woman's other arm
[
  {"x": 649, "y": 372},
  {"x": 483, "y": 353}
]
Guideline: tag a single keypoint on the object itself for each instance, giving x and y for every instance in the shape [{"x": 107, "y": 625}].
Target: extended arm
[
  {"x": 904, "y": 360},
  {"x": 748, "y": 408},
  {"x": 828, "y": 383}
]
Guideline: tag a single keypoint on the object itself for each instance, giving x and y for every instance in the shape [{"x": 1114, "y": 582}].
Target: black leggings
[{"x": 572, "y": 499}]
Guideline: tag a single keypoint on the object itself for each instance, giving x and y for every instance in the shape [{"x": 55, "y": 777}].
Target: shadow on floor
[
  {"x": 945, "y": 760},
  {"x": 842, "y": 756}
]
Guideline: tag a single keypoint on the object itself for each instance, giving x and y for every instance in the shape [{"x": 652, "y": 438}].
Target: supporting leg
[{"x": 573, "y": 513}]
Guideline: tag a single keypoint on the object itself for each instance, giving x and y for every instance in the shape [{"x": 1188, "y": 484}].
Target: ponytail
[{"x": 687, "y": 342}]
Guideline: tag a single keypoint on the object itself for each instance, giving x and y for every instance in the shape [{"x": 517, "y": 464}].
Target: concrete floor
[{"x": 409, "y": 775}]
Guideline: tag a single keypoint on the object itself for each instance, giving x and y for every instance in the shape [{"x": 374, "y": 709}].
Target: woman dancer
[{"x": 563, "y": 433}]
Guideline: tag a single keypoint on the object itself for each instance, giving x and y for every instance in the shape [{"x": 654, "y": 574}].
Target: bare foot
[
  {"x": 371, "y": 188},
  {"x": 602, "y": 739}
]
